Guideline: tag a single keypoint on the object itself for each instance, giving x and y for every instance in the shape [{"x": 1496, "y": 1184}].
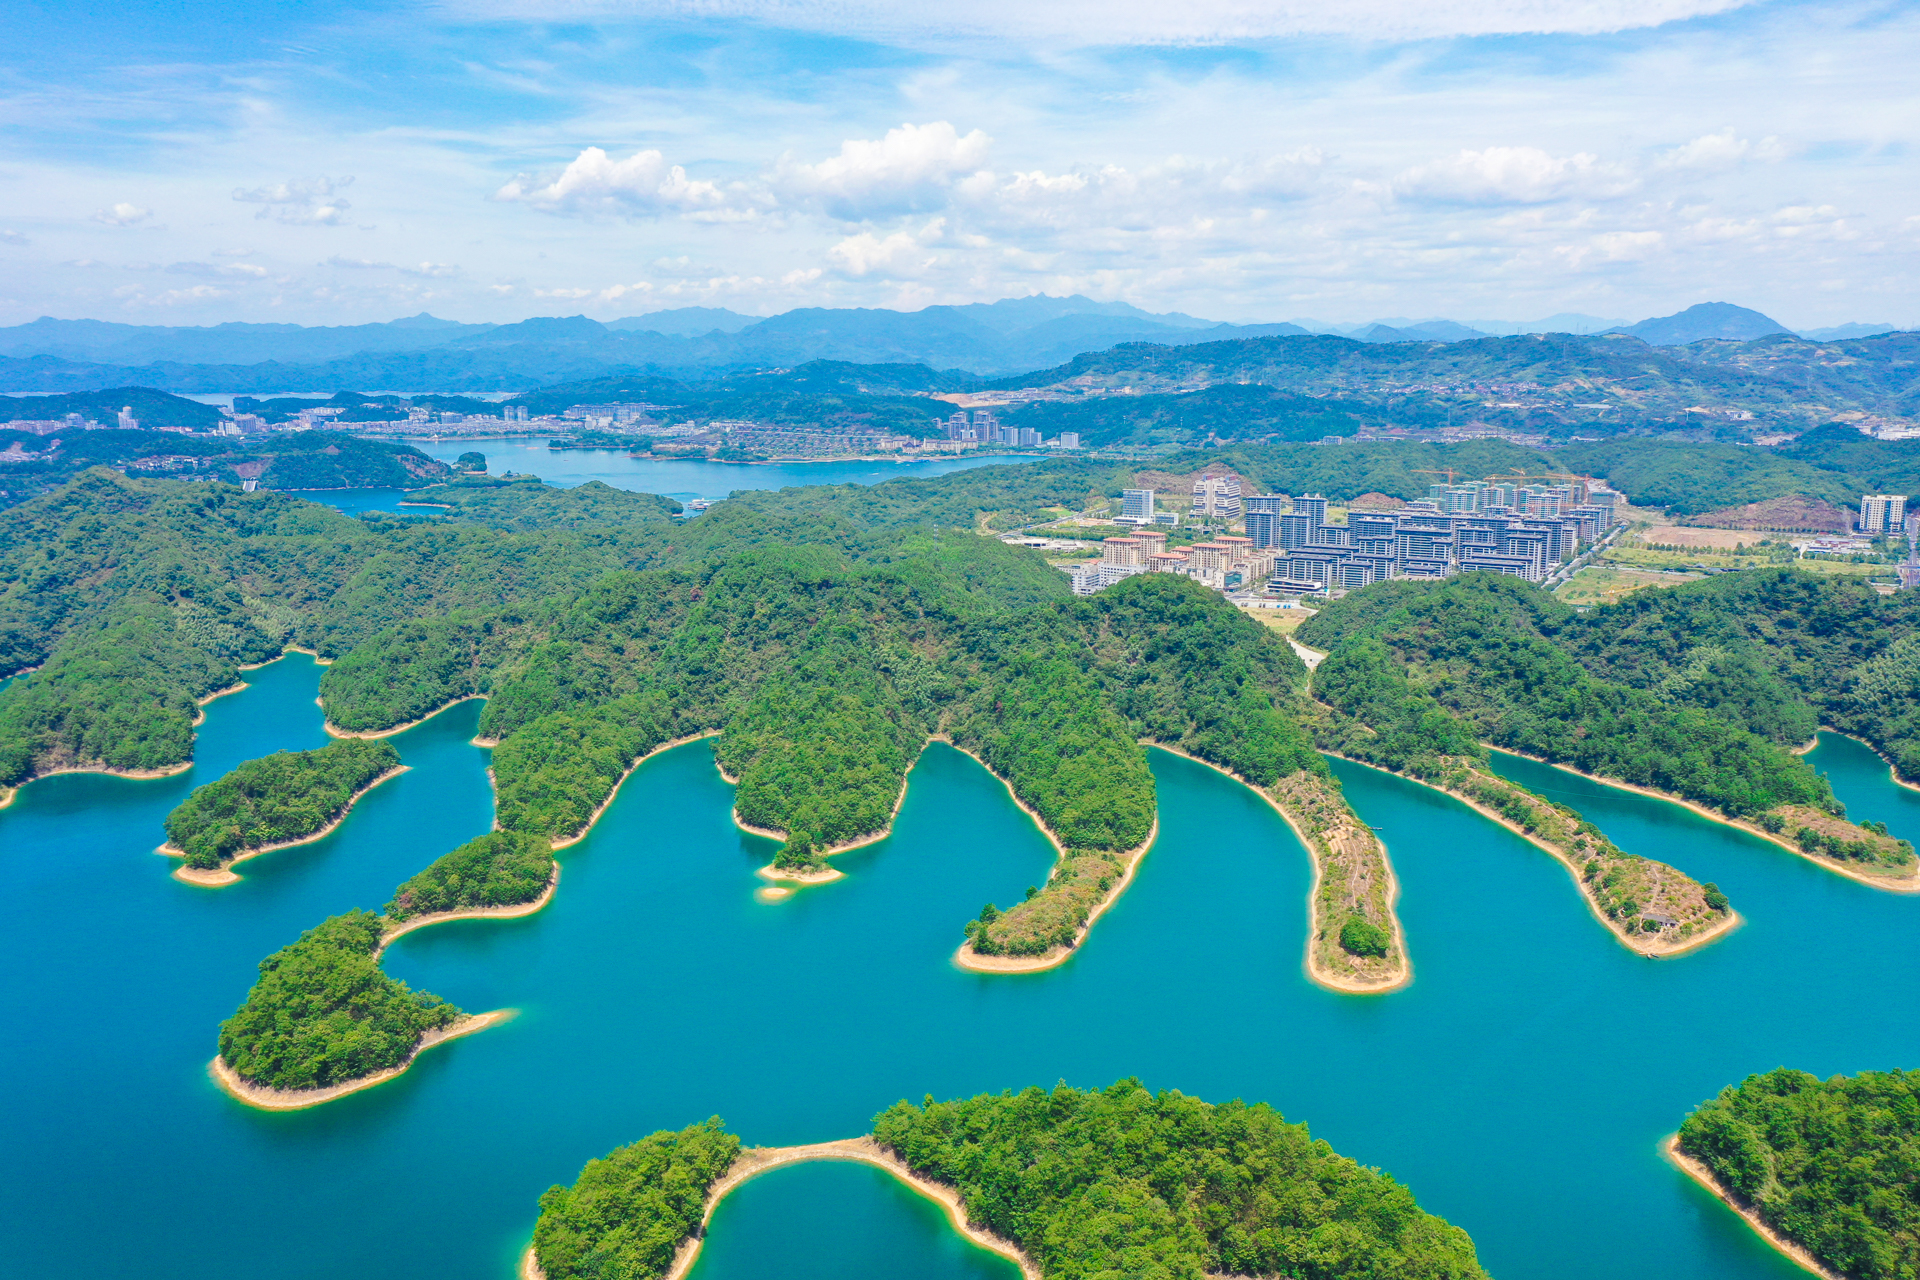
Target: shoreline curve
[
  {"x": 1797, "y": 1254},
  {"x": 335, "y": 731},
  {"x": 1331, "y": 981},
  {"x": 754, "y": 1161},
  {"x": 1733, "y": 921},
  {"x": 1891, "y": 884},
  {"x": 613, "y": 793},
  {"x": 267, "y": 1099},
  {"x": 513, "y": 911},
  {"x": 225, "y": 875}
]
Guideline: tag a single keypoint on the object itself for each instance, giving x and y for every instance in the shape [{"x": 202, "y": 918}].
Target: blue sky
[{"x": 192, "y": 163}]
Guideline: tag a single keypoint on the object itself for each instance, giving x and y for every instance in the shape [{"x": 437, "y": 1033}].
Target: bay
[{"x": 1519, "y": 1085}]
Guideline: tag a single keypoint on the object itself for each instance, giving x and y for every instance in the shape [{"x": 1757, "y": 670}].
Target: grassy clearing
[{"x": 1604, "y": 584}]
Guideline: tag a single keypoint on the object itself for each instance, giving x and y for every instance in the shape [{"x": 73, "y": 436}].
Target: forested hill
[
  {"x": 1698, "y": 691},
  {"x": 295, "y": 460}
]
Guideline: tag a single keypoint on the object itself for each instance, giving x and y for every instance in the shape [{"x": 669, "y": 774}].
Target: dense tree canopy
[
  {"x": 1832, "y": 1165},
  {"x": 323, "y": 1013},
  {"x": 285, "y": 796},
  {"x": 1123, "y": 1182}
]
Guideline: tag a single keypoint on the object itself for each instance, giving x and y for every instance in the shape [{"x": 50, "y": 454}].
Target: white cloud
[
  {"x": 83, "y": 263},
  {"x": 563, "y": 293},
  {"x": 356, "y": 264},
  {"x": 1612, "y": 247},
  {"x": 1719, "y": 153},
  {"x": 908, "y": 169},
  {"x": 1117, "y": 22},
  {"x": 902, "y": 253},
  {"x": 209, "y": 271},
  {"x": 641, "y": 186},
  {"x": 122, "y": 215},
  {"x": 304, "y": 204},
  {"x": 1511, "y": 175},
  {"x": 13, "y": 237}
]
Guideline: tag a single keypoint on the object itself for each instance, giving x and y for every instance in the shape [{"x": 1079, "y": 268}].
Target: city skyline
[{"x": 489, "y": 161}]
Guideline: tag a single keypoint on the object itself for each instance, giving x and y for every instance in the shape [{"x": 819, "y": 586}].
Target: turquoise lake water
[
  {"x": 1519, "y": 1086},
  {"x": 676, "y": 479}
]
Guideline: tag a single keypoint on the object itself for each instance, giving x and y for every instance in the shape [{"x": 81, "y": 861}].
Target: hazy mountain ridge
[{"x": 425, "y": 354}]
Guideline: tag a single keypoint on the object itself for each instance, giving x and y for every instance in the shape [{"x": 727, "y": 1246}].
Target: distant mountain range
[{"x": 424, "y": 353}]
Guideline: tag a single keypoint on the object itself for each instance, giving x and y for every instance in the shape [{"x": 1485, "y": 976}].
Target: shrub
[
  {"x": 1716, "y": 900},
  {"x": 1361, "y": 937}
]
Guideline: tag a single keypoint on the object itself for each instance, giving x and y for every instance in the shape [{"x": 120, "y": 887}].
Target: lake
[
  {"x": 677, "y": 479},
  {"x": 1519, "y": 1085}
]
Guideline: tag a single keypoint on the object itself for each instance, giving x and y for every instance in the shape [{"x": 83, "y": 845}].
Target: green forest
[
  {"x": 1829, "y": 1164},
  {"x": 324, "y": 1013},
  {"x": 1699, "y": 691},
  {"x": 498, "y": 869},
  {"x": 825, "y": 634},
  {"x": 292, "y": 460},
  {"x": 632, "y": 1209},
  {"x": 285, "y": 796},
  {"x": 1123, "y": 1182},
  {"x": 1087, "y": 1183}
]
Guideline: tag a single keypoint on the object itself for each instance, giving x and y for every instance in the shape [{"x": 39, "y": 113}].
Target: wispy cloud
[
  {"x": 313, "y": 203},
  {"x": 1083, "y": 23},
  {"x": 122, "y": 215}
]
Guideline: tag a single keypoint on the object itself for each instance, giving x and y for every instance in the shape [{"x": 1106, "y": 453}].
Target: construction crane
[{"x": 1449, "y": 473}]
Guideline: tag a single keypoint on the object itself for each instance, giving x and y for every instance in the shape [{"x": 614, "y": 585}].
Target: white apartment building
[{"x": 1216, "y": 497}]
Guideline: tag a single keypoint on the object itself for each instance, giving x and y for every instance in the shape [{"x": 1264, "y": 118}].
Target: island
[
  {"x": 1065, "y": 1182},
  {"x": 324, "y": 1020},
  {"x": 1823, "y": 1169},
  {"x": 274, "y": 802}
]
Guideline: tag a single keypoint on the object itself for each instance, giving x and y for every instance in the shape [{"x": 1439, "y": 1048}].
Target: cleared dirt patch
[{"x": 1674, "y": 535}]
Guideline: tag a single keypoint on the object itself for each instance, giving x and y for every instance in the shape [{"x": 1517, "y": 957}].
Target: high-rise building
[
  {"x": 1069, "y": 439},
  {"x": 127, "y": 421},
  {"x": 1313, "y": 506},
  {"x": 1883, "y": 512},
  {"x": 1264, "y": 511},
  {"x": 1217, "y": 497},
  {"x": 1136, "y": 505}
]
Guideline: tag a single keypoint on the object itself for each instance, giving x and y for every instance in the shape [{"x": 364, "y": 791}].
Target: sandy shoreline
[
  {"x": 513, "y": 912},
  {"x": 1693, "y": 943},
  {"x": 967, "y": 958},
  {"x": 1331, "y": 981},
  {"x": 266, "y": 1099},
  {"x": 754, "y": 1161},
  {"x": 1670, "y": 1147},
  {"x": 824, "y": 874},
  {"x": 1892, "y": 884},
  {"x": 137, "y": 775},
  {"x": 614, "y": 793},
  {"x": 225, "y": 875},
  {"x": 335, "y": 731},
  {"x": 1893, "y": 770}
]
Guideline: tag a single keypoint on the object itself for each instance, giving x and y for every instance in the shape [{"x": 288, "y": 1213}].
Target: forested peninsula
[
  {"x": 1824, "y": 1169},
  {"x": 1697, "y": 693},
  {"x": 324, "y": 1020},
  {"x": 287, "y": 798},
  {"x": 1067, "y": 1182},
  {"x": 824, "y": 635}
]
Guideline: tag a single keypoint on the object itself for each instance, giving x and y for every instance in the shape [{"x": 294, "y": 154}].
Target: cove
[{"x": 1519, "y": 1085}]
